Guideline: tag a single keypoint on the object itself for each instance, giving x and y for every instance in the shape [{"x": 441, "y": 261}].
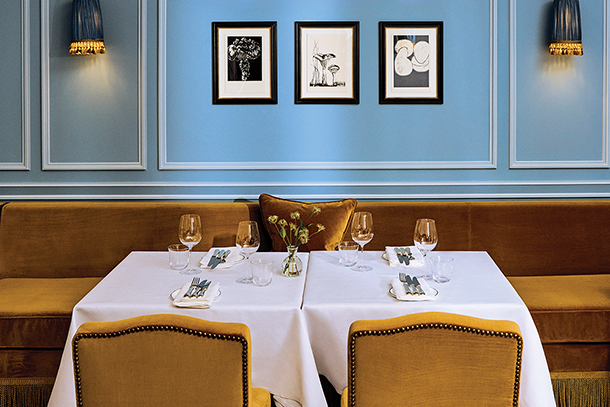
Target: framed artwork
[
  {"x": 244, "y": 63},
  {"x": 327, "y": 64},
  {"x": 411, "y": 62}
]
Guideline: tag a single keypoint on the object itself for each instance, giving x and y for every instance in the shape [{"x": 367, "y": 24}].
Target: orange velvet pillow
[{"x": 334, "y": 216}]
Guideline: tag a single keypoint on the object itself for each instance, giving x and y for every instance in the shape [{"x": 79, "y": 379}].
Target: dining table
[
  {"x": 142, "y": 284},
  {"x": 299, "y": 325},
  {"x": 336, "y": 296}
]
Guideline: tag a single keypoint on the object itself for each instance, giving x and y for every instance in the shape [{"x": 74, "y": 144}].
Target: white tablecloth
[
  {"x": 337, "y": 296},
  {"x": 299, "y": 325},
  {"x": 282, "y": 361}
]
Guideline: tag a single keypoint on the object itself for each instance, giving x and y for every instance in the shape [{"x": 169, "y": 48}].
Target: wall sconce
[
  {"x": 87, "y": 30},
  {"x": 566, "y": 37}
]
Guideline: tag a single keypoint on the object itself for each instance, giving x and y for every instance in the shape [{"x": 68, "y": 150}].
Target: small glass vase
[{"x": 292, "y": 265}]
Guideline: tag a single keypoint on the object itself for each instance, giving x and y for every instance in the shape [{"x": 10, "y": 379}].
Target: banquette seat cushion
[
  {"x": 34, "y": 321},
  {"x": 572, "y": 314}
]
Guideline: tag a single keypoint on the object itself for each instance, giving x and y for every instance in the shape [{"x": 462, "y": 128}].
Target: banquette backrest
[
  {"x": 76, "y": 239},
  {"x": 523, "y": 237},
  {"x": 88, "y": 239}
]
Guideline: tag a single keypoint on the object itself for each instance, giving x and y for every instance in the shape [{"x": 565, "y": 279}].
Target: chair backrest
[
  {"x": 162, "y": 360},
  {"x": 433, "y": 359}
]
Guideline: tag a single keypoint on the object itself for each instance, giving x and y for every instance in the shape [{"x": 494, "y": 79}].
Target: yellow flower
[
  {"x": 298, "y": 232},
  {"x": 304, "y": 236}
]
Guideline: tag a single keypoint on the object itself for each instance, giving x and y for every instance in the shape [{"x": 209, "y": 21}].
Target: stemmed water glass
[
  {"x": 190, "y": 235},
  {"x": 425, "y": 238},
  {"x": 362, "y": 233},
  {"x": 247, "y": 240}
]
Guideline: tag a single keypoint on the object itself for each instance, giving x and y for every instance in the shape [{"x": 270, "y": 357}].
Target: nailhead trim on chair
[
  {"x": 357, "y": 334},
  {"x": 238, "y": 338}
]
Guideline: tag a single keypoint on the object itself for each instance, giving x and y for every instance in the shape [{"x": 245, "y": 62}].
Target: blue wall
[{"x": 139, "y": 123}]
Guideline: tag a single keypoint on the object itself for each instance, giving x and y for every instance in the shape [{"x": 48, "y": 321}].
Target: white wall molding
[
  {"x": 204, "y": 184},
  {"x": 385, "y": 190},
  {"x": 164, "y": 164},
  {"x": 306, "y": 197},
  {"x": 25, "y": 163},
  {"x": 47, "y": 163},
  {"x": 539, "y": 164}
]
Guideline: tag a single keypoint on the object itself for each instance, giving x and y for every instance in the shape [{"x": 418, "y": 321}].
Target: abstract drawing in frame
[
  {"x": 411, "y": 62},
  {"x": 327, "y": 62},
  {"x": 244, "y": 63}
]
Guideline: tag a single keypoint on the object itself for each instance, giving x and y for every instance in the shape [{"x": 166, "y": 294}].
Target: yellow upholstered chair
[
  {"x": 164, "y": 360},
  {"x": 433, "y": 359}
]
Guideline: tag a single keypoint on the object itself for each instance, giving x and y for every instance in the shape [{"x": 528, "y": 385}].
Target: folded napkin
[
  {"x": 229, "y": 260},
  {"x": 393, "y": 258},
  {"x": 204, "y": 301},
  {"x": 401, "y": 293}
]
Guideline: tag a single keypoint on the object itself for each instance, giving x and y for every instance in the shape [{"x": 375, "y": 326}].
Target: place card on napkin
[
  {"x": 232, "y": 258},
  {"x": 204, "y": 301},
  {"x": 393, "y": 261},
  {"x": 402, "y": 294}
]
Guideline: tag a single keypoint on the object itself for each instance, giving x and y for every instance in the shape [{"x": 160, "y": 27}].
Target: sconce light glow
[
  {"x": 566, "y": 37},
  {"x": 87, "y": 30}
]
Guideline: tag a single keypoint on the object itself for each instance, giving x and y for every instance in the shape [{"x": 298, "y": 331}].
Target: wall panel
[
  {"x": 15, "y": 85},
  {"x": 459, "y": 134},
  {"x": 559, "y": 104},
  {"x": 94, "y": 107}
]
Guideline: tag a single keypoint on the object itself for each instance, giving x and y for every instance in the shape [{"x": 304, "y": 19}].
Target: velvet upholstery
[
  {"x": 35, "y": 313},
  {"x": 394, "y": 223},
  {"x": 69, "y": 241},
  {"x": 88, "y": 239},
  {"x": 543, "y": 238},
  {"x": 572, "y": 314},
  {"x": 29, "y": 362},
  {"x": 433, "y": 359},
  {"x": 334, "y": 216},
  {"x": 568, "y": 308},
  {"x": 34, "y": 322},
  {"x": 164, "y": 360}
]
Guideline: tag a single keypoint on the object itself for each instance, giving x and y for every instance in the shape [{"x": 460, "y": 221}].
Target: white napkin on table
[
  {"x": 393, "y": 258},
  {"x": 229, "y": 260},
  {"x": 401, "y": 293},
  {"x": 204, "y": 301}
]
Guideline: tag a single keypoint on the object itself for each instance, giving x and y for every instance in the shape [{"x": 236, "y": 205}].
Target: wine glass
[
  {"x": 362, "y": 233},
  {"x": 247, "y": 240},
  {"x": 425, "y": 238},
  {"x": 190, "y": 235}
]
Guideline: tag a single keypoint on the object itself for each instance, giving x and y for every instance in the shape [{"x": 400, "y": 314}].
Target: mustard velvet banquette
[{"x": 553, "y": 252}]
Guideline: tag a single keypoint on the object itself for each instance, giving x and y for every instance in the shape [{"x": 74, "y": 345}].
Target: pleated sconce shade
[
  {"x": 566, "y": 37},
  {"x": 87, "y": 30}
]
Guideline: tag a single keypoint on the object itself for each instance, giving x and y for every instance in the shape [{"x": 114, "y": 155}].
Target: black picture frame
[
  {"x": 411, "y": 62},
  {"x": 324, "y": 71},
  {"x": 244, "y": 62}
]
